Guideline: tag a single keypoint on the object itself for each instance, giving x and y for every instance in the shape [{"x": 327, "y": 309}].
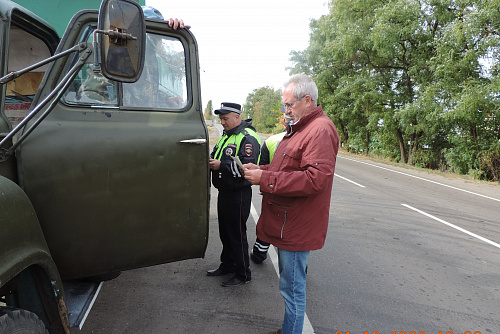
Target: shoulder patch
[{"x": 248, "y": 149}]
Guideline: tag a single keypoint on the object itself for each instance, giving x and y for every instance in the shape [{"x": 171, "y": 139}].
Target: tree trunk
[
  {"x": 367, "y": 143},
  {"x": 413, "y": 148},
  {"x": 476, "y": 144},
  {"x": 344, "y": 133},
  {"x": 402, "y": 146}
]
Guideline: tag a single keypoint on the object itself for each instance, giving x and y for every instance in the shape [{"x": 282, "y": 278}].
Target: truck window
[
  {"x": 24, "y": 50},
  {"x": 163, "y": 81},
  {"x": 91, "y": 88},
  {"x": 162, "y": 84}
]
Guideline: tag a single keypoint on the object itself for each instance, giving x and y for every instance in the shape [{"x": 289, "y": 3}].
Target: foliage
[
  {"x": 490, "y": 162},
  {"x": 263, "y": 106},
  {"x": 413, "y": 80},
  {"x": 208, "y": 111}
]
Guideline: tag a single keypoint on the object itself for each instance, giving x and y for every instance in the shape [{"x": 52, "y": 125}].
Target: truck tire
[{"x": 21, "y": 322}]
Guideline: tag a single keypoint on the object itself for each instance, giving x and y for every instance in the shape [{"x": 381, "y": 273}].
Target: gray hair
[{"x": 304, "y": 85}]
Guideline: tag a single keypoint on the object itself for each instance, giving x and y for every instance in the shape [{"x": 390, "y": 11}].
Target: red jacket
[{"x": 297, "y": 185}]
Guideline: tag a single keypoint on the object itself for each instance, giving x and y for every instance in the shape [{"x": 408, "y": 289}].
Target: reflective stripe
[
  {"x": 235, "y": 169},
  {"x": 260, "y": 247}
]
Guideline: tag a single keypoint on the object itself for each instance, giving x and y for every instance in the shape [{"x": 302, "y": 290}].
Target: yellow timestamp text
[{"x": 414, "y": 332}]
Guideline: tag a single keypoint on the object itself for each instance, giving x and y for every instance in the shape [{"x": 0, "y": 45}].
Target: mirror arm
[
  {"x": 13, "y": 75},
  {"x": 115, "y": 37},
  {"x": 97, "y": 66},
  {"x": 53, "y": 97}
]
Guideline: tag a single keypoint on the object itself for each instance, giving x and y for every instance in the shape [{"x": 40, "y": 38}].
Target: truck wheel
[{"x": 21, "y": 322}]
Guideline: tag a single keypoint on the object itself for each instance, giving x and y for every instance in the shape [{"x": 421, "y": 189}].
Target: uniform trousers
[{"x": 233, "y": 209}]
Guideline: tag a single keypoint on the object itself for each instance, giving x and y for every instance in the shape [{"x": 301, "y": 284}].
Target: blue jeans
[{"x": 292, "y": 267}]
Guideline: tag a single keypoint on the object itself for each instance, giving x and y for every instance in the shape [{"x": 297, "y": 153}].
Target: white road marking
[
  {"x": 420, "y": 178},
  {"x": 343, "y": 178},
  {"x": 273, "y": 256},
  {"x": 453, "y": 226}
]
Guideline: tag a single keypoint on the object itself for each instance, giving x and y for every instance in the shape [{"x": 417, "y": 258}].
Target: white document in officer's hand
[{"x": 238, "y": 162}]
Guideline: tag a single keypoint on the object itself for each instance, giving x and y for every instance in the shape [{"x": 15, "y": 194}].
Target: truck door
[
  {"x": 118, "y": 173},
  {"x": 23, "y": 42}
]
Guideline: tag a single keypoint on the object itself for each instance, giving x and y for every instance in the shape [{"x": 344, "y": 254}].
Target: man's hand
[
  {"x": 251, "y": 166},
  {"x": 214, "y": 164},
  {"x": 177, "y": 23},
  {"x": 253, "y": 173}
]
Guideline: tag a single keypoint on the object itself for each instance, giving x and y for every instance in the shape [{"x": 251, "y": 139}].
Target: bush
[{"x": 490, "y": 162}]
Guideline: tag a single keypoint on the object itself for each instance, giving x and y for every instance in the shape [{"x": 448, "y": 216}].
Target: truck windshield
[{"x": 162, "y": 85}]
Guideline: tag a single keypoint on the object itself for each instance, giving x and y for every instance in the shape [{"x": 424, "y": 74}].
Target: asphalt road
[
  {"x": 407, "y": 252},
  {"x": 389, "y": 268}
]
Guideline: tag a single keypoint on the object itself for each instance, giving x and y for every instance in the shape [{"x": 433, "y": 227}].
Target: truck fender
[{"x": 29, "y": 278}]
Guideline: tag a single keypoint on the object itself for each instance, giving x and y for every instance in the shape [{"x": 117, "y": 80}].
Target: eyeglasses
[{"x": 289, "y": 105}]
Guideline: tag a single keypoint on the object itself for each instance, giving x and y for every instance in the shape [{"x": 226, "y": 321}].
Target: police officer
[
  {"x": 260, "y": 248},
  {"x": 235, "y": 194}
]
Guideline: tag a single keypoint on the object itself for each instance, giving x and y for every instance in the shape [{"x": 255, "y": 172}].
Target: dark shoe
[
  {"x": 235, "y": 281},
  {"x": 218, "y": 272},
  {"x": 276, "y": 332},
  {"x": 257, "y": 258}
]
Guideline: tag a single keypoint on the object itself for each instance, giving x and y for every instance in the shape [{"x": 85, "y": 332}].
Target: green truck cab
[{"x": 103, "y": 158}]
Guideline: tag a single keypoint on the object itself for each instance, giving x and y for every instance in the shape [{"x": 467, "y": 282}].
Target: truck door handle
[{"x": 194, "y": 141}]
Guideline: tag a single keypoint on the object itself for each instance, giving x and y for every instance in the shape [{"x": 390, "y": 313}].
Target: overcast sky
[{"x": 244, "y": 45}]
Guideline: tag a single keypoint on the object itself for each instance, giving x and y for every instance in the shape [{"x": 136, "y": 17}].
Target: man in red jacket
[{"x": 296, "y": 188}]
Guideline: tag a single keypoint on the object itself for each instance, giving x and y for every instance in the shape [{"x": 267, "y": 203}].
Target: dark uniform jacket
[{"x": 243, "y": 142}]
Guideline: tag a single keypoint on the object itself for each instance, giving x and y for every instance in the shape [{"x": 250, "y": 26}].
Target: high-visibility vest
[
  {"x": 225, "y": 140},
  {"x": 272, "y": 143}
]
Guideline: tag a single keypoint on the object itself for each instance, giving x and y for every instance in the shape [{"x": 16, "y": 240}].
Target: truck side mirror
[{"x": 122, "y": 37}]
